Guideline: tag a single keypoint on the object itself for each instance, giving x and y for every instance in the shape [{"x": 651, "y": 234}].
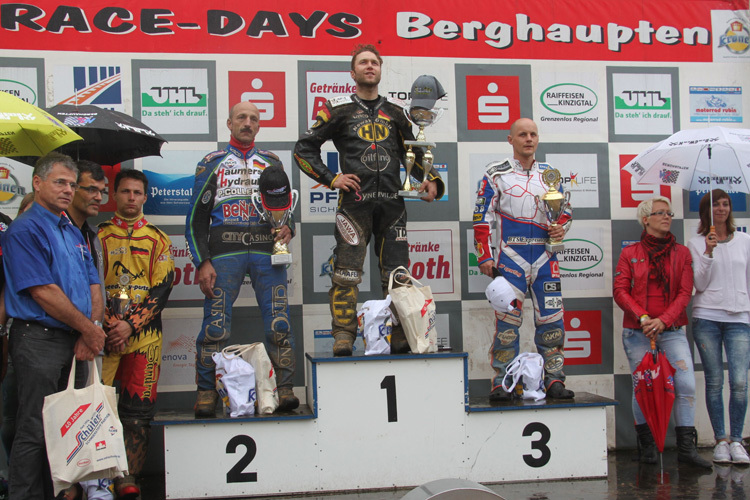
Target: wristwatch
[{"x": 98, "y": 323}]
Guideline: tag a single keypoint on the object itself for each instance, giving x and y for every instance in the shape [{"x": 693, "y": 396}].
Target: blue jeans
[
  {"x": 675, "y": 345},
  {"x": 269, "y": 283},
  {"x": 42, "y": 359},
  {"x": 735, "y": 338}
]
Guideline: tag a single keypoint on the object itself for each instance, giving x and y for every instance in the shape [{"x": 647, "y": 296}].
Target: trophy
[
  {"x": 553, "y": 203},
  {"x": 120, "y": 302},
  {"x": 425, "y": 92},
  {"x": 275, "y": 201}
]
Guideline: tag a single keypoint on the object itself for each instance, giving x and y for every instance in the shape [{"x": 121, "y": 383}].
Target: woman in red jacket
[{"x": 653, "y": 285}]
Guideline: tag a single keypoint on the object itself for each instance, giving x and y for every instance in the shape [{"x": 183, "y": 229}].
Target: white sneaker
[
  {"x": 738, "y": 453},
  {"x": 721, "y": 453}
]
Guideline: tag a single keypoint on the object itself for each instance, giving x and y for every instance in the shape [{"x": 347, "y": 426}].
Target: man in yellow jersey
[{"x": 137, "y": 263}]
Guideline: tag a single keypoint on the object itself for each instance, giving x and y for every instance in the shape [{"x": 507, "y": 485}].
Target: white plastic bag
[
  {"x": 83, "y": 433},
  {"x": 375, "y": 319},
  {"x": 265, "y": 376},
  {"x": 416, "y": 312},
  {"x": 235, "y": 383},
  {"x": 527, "y": 368}
]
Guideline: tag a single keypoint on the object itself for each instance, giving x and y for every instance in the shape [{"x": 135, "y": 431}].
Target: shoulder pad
[
  {"x": 212, "y": 156},
  {"x": 339, "y": 100},
  {"x": 396, "y": 102},
  {"x": 498, "y": 168},
  {"x": 268, "y": 154}
]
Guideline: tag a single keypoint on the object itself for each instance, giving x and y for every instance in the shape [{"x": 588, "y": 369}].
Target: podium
[{"x": 383, "y": 422}]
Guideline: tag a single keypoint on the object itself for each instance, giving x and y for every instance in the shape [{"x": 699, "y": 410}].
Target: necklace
[{"x": 725, "y": 240}]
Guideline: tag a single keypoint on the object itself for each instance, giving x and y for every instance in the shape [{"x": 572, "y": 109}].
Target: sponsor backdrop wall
[{"x": 602, "y": 83}]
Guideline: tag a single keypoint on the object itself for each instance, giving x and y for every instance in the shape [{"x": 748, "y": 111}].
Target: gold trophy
[
  {"x": 553, "y": 203},
  {"x": 275, "y": 201},
  {"x": 425, "y": 92}
]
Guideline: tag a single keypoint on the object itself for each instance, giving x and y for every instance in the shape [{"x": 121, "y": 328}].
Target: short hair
[
  {"x": 44, "y": 164},
  {"x": 91, "y": 168},
  {"x": 26, "y": 202},
  {"x": 646, "y": 207},
  {"x": 365, "y": 48},
  {"x": 131, "y": 173},
  {"x": 705, "y": 208}
]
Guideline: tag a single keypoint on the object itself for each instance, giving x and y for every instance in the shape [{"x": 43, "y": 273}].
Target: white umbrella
[{"x": 697, "y": 160}]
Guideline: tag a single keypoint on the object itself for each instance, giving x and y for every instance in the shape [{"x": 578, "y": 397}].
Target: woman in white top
[{"x": 721, "y": 317}]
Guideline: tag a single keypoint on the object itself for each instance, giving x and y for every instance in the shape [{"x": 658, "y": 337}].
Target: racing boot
[
  {"x": 136, "y": 434},
  {"x": 205, "y": 403},
  {"x": 343, "y": 303},
  {"x": 557, "y": 390},
  {"x": 343, "y": 344},
  {"x": 687, "y": 439},
  {"x": 287, "y": 400},
  {"x": 500, "y": 395},
  {"x": 646, "y": 444}
]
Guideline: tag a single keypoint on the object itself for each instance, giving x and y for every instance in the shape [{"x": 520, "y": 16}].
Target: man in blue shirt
[{"x": 52, "y": 292}]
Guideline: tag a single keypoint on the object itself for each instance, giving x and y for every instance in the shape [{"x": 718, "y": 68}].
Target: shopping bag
[
  {"x": 416, "y": 311},
  {"x": 265, "y": 377},
  {"x": 235, "y": 383},
  {"x": 83, "y": 433},
  {"x": 528, "y": 369},
  {"x": 375, "y": 319}
]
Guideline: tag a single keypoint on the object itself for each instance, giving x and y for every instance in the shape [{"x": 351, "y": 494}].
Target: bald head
[
  {"x": 522, "y": 122},
  {"x": 524, "y": 137},
  {"x": 244, "y": 122}
]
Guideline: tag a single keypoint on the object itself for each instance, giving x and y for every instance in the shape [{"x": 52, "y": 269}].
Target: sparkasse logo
[{"x": 569, "y": 99}]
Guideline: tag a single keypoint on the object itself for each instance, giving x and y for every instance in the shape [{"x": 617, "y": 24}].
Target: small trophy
[
  {"x": 120, "y": 303},
  {"x": 425, "y": 92},
  {"x": 275, "y": 201},
  {"x": 553, "y": 203}
]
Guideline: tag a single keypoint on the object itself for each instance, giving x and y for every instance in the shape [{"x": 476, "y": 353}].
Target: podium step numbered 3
[{"x": 384, "y": 422}]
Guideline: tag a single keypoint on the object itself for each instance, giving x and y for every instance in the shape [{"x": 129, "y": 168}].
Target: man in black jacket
[{"x": 369, "y": 131}]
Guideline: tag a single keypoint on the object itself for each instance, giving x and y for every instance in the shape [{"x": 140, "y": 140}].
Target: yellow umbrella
[{"x": 26, "y": 130}]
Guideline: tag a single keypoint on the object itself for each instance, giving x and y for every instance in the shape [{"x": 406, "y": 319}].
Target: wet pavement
[{"x": 627, "y": 480}]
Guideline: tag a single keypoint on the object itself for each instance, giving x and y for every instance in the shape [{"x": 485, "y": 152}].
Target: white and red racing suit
[{"x": 506, "y": 198}]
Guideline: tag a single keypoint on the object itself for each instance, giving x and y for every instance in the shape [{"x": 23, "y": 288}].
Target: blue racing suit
[
  {"x": 223, "y": 226},
  {"x": 506, "y": 198}
]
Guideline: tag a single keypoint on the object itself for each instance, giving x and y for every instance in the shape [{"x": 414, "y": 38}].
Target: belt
[{"x": 36, "y": 324}]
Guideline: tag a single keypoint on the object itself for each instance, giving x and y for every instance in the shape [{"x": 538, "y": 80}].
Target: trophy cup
[
  {"x": 275, "y": 201},
  {"x": 425, "y": 92},
  {"x": 553, "y": 203},
  {"x": 120, "y": 302}
]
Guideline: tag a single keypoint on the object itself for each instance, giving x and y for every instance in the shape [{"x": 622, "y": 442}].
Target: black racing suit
[{"x": 369, "y": 136}]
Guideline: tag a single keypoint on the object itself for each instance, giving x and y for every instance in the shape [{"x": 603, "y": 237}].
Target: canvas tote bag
[
  {"x": 416, "y": 312},
  {"x": 83, "y": 433}
]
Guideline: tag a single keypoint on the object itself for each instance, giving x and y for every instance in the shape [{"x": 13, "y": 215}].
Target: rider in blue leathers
[
  {"x": 228, "y": 239},
  {"x": 506, "y": 198}
]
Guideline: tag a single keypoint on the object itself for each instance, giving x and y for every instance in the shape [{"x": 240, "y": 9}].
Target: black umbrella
[{"x": 109, "y": 137}]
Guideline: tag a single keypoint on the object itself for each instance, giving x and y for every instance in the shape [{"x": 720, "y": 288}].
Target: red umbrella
[{"x": 653, "y": 384}]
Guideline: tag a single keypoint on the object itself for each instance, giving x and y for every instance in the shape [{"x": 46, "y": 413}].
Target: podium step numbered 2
[{"x": 384, "y": 422}]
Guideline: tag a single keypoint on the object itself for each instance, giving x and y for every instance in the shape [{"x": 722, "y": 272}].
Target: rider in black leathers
[{"x": 369, "y": 136}]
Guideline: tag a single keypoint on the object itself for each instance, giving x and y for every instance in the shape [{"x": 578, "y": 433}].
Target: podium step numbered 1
[{"x": 384, "y": 422}]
